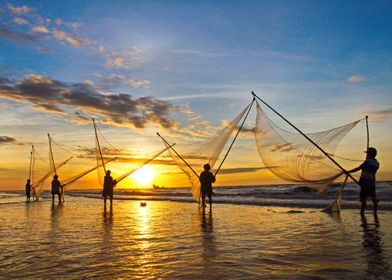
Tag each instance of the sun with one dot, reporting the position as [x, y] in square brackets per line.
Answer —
[144, 175]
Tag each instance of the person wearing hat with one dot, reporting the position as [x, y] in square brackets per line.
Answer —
[56, 188]
[206, 179]
[108, 185]
[367, 181]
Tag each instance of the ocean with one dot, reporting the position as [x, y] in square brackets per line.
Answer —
[273, 232]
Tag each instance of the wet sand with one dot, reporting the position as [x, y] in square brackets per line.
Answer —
[172, 240]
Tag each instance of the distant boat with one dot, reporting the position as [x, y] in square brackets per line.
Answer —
[157, 187]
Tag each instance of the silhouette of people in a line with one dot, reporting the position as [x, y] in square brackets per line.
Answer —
[56, 188]
[206, 179]
[28, 190]
[367, 181]
[108, 186]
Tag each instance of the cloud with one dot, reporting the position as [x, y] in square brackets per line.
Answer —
[7, 140]
[381, 115]
[121, 58]
[18, 36]
[53, 96]
[285, 147]
[40, 29]
[242, 170]
[44, 50]
[18, 9]
[20, 21]
[356, 78]
[114, 80]
[63, 36]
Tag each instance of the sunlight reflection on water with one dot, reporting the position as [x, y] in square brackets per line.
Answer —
[177, 240]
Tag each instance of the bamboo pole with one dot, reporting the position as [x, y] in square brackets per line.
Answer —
[167, 143]
[99, 146]
[235, 137]
[51, 154]
[144, 163]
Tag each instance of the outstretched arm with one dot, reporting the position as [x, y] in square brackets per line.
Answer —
[356, 169]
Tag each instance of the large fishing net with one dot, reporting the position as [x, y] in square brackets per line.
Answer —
[39, 172]
[293, 158]
[191, 157]
[127, 161]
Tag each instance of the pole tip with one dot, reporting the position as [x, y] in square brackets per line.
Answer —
[158, 134]
[366, 117]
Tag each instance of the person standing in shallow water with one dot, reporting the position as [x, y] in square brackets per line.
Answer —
[367, 181]
[56, 188]
[206, 179]
[28, 190]
[108, 185]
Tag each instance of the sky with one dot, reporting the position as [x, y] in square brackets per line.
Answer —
[185, 68]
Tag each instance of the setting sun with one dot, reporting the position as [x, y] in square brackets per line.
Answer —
[144, 175]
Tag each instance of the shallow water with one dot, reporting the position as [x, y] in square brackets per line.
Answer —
[171, 240]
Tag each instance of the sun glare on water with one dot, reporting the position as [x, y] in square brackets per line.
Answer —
[144, 175]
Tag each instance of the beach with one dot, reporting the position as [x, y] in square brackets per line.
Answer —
[176, 240]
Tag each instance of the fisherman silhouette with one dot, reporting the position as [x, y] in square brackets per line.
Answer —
[28, 190]
[206, 179]
[56, 188]
[367, 181]
[108, 185]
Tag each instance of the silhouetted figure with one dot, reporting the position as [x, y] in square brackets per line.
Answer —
[367, 181]
[206, 179]
[108, 185]
[28, 190]
[56, 188]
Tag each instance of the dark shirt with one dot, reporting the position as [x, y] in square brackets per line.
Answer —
[369, 168]
[28, 188]
[56, 186]
[108, 184]
[206, 179]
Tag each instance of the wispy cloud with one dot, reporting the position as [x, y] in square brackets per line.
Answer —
[53, 96]
[7, 140]
[381, 115]
[64, 36]
[40, 29]
[18, 36]
[115, 80]
[121, 58]
[18, 9]
[20, 21]
[20, 17]
[242, 170]
[357, 78]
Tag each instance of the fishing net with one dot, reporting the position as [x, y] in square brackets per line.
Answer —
[207, 150]
[292, 157]
[104, 151]
[39, 172]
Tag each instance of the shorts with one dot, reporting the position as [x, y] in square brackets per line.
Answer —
[368, 188]
[107, 193]
[206, 190]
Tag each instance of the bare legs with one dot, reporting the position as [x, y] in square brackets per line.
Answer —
[203, 200]
[363, 205]
[111, 204]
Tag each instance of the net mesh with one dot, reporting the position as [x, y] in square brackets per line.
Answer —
[40, 171]
[198, 153]
[104, 152]
[292, 157]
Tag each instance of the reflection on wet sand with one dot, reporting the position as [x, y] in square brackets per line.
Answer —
[373, 249]
[207, 237]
